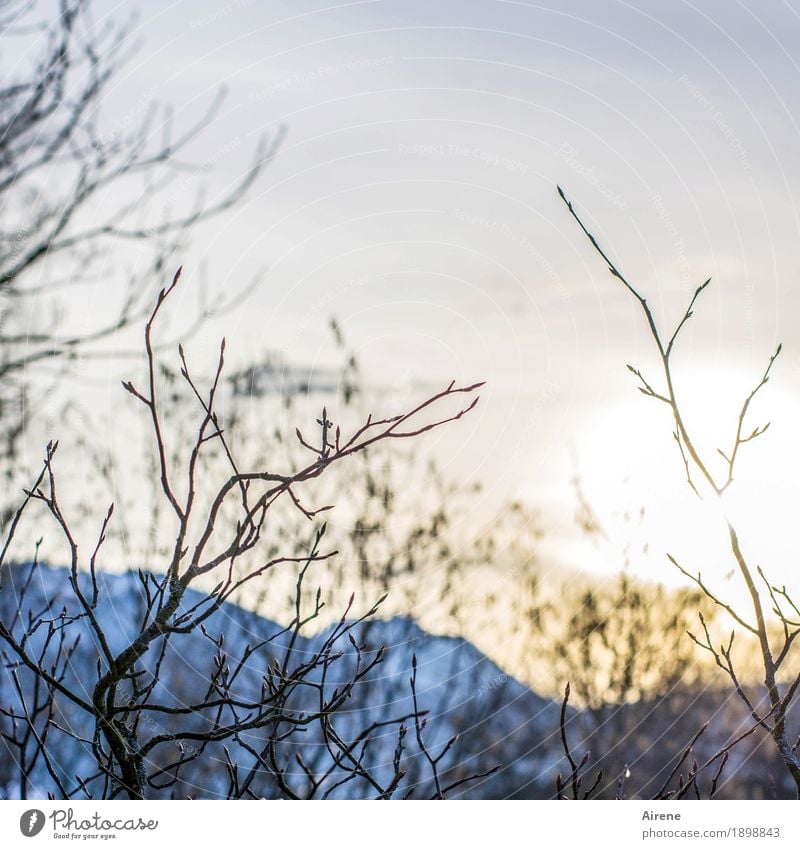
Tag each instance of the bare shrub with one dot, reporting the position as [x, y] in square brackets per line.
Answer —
[88, 201]
[221, 537]
[772, 618]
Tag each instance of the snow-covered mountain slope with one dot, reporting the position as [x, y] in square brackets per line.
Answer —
[499, 722]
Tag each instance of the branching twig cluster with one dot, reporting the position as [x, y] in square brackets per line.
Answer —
[135, 727]
[62, 159]
[770, 708]
[573, 786]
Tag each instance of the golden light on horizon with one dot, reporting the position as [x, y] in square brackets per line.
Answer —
[634, 478]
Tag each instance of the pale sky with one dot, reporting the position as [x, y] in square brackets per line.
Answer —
[414, 199]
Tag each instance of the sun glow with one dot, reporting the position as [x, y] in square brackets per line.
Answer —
[633, 476]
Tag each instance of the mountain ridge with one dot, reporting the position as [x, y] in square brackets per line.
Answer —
[498, 721]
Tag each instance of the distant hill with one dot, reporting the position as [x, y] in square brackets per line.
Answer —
[499, 721]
